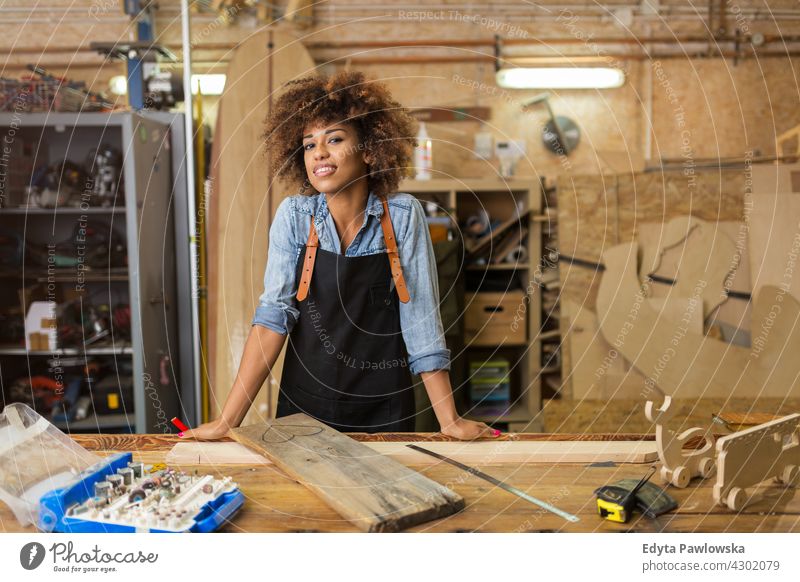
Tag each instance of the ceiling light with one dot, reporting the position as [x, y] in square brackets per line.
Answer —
[560, 78]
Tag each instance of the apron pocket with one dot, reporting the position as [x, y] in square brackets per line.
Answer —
[381, 296]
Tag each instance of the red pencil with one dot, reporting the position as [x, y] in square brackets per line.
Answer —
[181, 427]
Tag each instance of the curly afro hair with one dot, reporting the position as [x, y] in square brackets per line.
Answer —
[385, 129]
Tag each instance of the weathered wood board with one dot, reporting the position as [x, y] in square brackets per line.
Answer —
[472, 453]
[372, 491]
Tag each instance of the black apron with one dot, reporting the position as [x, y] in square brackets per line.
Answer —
[346, 362]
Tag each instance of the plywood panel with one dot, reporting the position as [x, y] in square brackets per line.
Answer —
[775, 242]
[691, 365]
[686, 261]
[591, 357]
[599, 371]
[627, 415]
[775, 178]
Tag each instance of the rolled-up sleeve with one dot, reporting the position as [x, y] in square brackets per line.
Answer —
[277, 305]
[420, 319]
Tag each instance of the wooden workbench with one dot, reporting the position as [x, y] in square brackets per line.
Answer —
[276, 503]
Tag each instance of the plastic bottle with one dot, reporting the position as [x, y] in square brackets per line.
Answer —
[422, 154]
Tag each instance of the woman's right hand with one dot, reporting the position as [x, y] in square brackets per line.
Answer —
[210, 431]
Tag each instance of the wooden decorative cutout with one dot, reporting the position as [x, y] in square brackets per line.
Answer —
[679, 466]
[746, 458]
[707, 257]
[685, 364]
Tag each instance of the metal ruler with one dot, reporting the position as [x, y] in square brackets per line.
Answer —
[499, 483]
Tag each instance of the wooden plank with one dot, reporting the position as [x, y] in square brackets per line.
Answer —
[214, 453]
[477, 452]
[374, 492]
[164, 442]
[736, 421]
[491, 453]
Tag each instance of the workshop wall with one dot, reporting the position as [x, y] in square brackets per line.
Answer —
[725, 106]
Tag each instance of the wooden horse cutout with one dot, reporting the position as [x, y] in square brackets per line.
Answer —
[679, 466]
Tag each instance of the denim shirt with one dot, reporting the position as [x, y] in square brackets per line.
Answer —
[420, 319]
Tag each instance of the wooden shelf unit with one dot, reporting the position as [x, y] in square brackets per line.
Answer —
[460, 198]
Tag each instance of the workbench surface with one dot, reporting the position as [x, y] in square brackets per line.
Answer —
[276, 503]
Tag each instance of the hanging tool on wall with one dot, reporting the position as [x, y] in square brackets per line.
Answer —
[560, 134]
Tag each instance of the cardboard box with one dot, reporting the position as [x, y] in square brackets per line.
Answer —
[40, 327]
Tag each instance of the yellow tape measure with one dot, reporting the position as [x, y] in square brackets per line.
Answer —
[616, 503]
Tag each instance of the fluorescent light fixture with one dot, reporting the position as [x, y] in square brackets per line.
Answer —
[210, 84]
[560, 78]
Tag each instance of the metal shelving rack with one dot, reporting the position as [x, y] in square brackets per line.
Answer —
[147, 212]
[451, 194]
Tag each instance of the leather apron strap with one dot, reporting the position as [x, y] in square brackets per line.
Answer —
[308, 263]
[394, 256]
[391, 248]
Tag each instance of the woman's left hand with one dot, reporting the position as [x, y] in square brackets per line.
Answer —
[467, 430]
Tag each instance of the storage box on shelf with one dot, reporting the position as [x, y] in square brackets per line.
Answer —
[496, 219]
[495, 318]
[93, 221]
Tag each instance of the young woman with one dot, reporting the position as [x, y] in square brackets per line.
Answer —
[350, 277]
